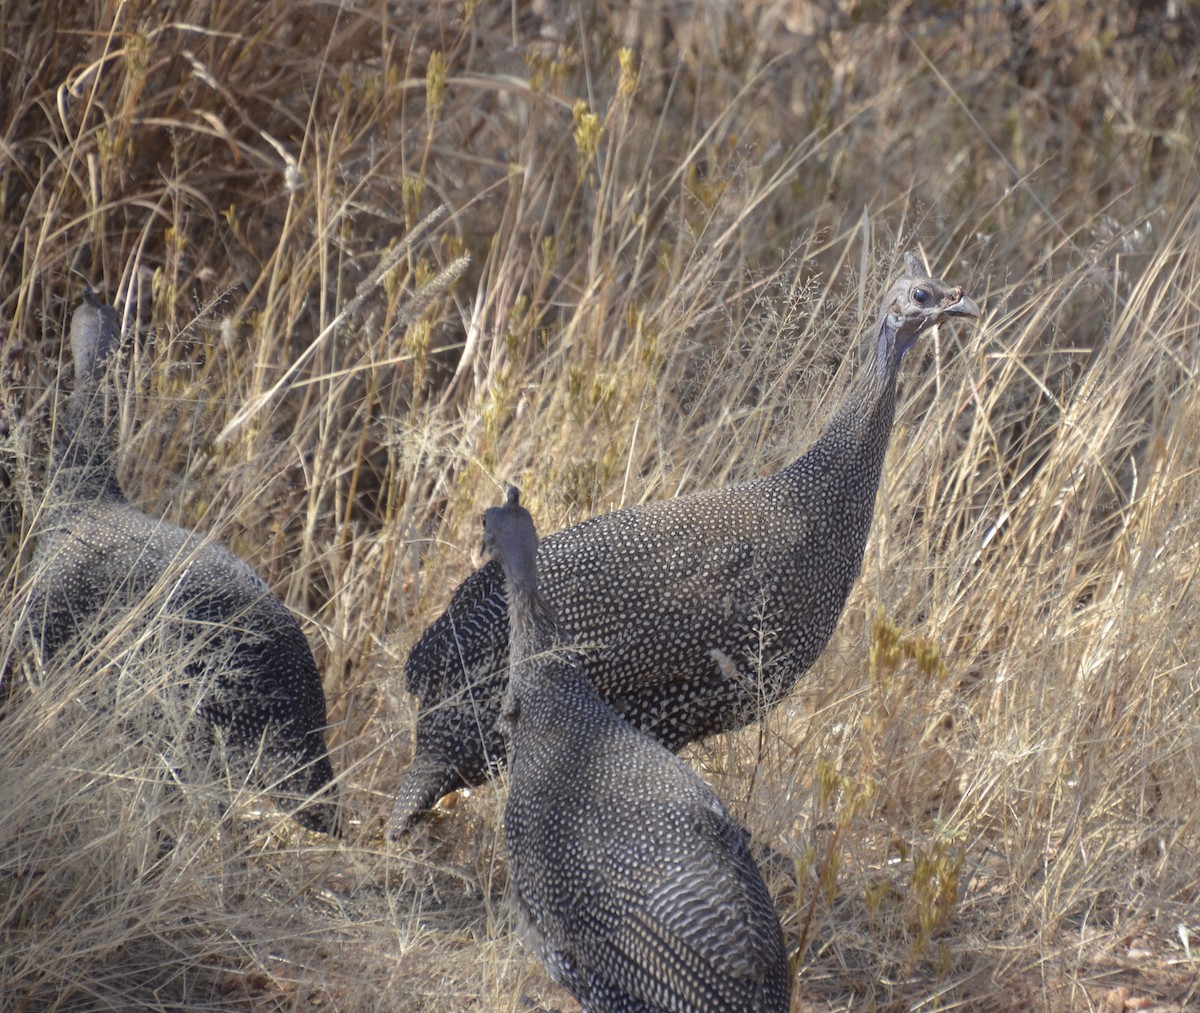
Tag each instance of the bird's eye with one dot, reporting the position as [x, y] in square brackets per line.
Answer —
[920, 295]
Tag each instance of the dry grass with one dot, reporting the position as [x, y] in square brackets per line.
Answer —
[649, 278]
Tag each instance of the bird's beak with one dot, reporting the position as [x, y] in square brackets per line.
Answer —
[963, 308]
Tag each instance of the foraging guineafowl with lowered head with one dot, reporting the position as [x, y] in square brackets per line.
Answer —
[691, 613]
[632, 883]
[100, 561]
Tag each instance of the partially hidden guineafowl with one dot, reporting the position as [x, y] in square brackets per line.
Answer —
[691, 614]
[631, 881]
[100, 562]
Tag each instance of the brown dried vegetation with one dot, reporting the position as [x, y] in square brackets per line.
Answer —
[380, 258]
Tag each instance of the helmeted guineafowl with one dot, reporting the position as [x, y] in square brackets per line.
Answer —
[631, 881]
[691, 613]
[99, 561]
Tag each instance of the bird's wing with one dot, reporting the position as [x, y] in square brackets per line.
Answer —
[695, 923]
[470, 633]
[642, 959]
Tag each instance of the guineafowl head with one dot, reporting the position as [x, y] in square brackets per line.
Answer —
[84, 447]
[915, 303]
[95, 335]
[509, 536]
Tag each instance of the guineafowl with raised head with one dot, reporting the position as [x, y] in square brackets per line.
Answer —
[691, 614]
[100, 562]
[631, 881]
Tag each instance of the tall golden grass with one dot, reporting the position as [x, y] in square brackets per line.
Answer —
[380, 259]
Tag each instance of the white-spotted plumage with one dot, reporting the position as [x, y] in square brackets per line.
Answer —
[99, 561]
[631, 881]
[690, 614]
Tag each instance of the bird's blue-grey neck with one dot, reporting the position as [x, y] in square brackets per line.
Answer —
[865, 416]
[890, 345]
[510, 536]
[85, 446]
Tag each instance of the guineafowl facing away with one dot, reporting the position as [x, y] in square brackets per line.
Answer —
[632, 882]
[100, 562]
[693, 613]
